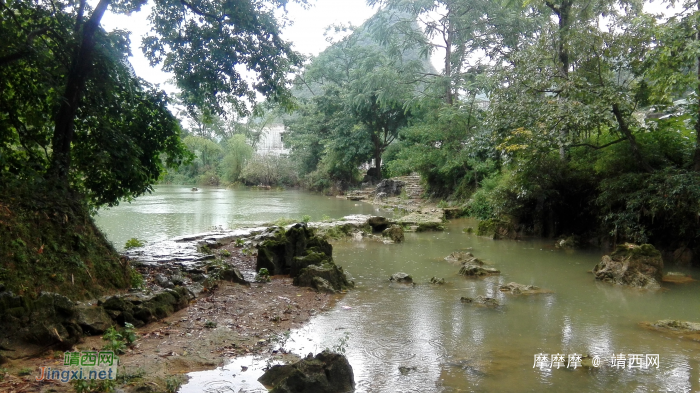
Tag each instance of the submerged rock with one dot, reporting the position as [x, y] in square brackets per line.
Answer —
[522, 289]
[471, 266]
[424, 220]
[325, 373]
[437, 281]
[633, 265]
[570, 242]
[681, 329]
[404, 370]
[677, 278]
[401, 278]
[691, 327]
[481, 301]
[459, 256]
[471, 269]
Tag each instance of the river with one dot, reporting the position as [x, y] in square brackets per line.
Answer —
[441, 344]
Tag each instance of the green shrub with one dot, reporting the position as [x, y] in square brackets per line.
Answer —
[263, 275]
[133, 243]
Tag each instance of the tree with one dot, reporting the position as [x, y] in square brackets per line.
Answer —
[673, 66]
[362, 99]
[80, 74]
[238, 152]
[590, 84]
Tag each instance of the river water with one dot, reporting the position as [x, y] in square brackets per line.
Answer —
[422, 338]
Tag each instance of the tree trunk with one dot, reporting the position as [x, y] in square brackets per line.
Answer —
[64, 126]
[624, 129]
[448, 70]
[696, 158]
[378, 162]
[564, 20]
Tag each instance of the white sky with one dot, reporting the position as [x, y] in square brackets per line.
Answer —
[306, 33]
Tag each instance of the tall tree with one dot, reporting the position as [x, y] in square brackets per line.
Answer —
[369, 92]
[673, 66]
[202, 42]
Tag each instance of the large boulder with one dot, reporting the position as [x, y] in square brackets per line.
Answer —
[280, 250]
[633, 265]
[395, 233]
[390, 187]
[53, 321]
[325, 373]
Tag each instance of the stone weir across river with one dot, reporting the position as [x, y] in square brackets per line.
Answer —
[191, 251]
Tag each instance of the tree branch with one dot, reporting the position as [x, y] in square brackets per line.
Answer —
[25, 51]
[598, 147]
[196, 10]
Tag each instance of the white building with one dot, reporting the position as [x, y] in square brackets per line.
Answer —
[271, 141]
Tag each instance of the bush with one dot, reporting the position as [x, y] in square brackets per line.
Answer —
[133, 243]
[269, 170]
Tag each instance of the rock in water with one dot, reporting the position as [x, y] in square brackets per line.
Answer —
[460, 256]
[326, 373]
[401, 278]
[472, 266]
[633, 265]
[481, 301]
[395, 233]
[290, 251]
[521, 289]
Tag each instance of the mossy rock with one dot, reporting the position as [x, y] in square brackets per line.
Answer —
[395, 233]
[333, 275]
[496, 229]
[632, 265]
[288, 252]
[312, 258]
[327, 372]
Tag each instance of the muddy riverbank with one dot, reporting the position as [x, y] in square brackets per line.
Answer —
[227, 321]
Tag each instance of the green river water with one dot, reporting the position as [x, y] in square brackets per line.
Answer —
[447, 346]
